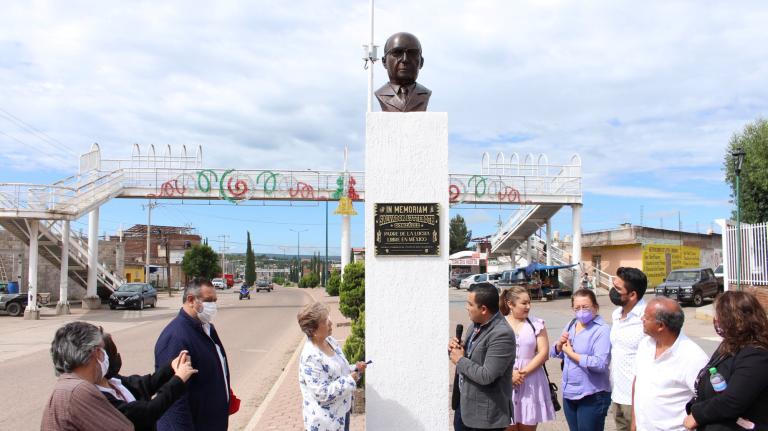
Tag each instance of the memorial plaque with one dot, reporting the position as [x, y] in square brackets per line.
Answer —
[407, 229]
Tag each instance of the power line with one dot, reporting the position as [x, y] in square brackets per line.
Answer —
[36, 132]
[55, 157]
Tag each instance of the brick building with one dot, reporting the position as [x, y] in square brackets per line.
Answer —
[126, 253]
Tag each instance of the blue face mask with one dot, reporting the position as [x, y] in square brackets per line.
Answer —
[584, 316]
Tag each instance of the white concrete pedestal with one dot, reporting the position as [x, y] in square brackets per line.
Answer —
[406, 298]
[62, 308]
[31, 314]
[91, 303]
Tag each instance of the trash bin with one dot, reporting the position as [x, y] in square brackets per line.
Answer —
[13, 287]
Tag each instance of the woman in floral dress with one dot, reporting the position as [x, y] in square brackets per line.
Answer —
[530, 387]
[326, 379]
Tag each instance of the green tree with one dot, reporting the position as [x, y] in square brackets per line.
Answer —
[309, 280]
[354, 347]
[460, 236]
[201, 261]
[352, 291]
[753, 182]
[250, 263]
[334, 282]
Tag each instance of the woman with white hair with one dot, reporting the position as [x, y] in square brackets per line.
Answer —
[326, 379]
[80, 362]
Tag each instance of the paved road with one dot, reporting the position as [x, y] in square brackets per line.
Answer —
[260, 335]
[557, 314]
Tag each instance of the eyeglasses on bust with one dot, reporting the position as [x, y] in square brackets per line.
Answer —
[399, 52]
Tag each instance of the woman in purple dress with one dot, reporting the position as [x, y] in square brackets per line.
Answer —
[530, 387]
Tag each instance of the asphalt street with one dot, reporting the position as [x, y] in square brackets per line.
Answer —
[259, 335]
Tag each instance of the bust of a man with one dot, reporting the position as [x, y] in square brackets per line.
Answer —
[403, 59]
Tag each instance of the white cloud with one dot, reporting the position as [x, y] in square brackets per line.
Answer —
[633, 89]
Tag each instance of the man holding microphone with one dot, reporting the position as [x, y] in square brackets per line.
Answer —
[484, 364]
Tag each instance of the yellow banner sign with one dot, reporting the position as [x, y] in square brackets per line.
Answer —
[659, 260]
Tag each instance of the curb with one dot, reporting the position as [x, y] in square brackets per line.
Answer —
[251, 426]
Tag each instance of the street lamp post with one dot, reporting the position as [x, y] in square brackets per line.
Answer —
[738, 162]
[298, 247]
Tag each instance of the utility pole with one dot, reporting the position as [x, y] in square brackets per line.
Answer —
[223, 249]
[168, 263]
[149, 206]
[298, 248]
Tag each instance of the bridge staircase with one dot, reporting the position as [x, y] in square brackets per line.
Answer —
[523, 224]
[49, 248]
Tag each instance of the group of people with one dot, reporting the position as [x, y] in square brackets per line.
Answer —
[656, 378]
[189, 390]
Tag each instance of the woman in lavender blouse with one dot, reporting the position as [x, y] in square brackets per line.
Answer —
[585, 346]
[326, 379]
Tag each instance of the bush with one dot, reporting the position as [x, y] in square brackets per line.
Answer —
[309, 280]
[354, 347]
[278, 280]
[334, 282]
[352, 291]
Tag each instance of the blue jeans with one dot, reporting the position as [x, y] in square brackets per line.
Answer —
[588, 413]
[458, 425]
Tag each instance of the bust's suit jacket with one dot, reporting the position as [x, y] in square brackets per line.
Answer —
[391, 103]
[486, 386]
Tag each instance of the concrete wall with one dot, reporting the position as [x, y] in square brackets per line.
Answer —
[612, 257]
[47, 275]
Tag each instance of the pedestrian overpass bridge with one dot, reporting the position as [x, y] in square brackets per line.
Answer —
[39, 214]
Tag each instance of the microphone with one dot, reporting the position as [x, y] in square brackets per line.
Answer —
[459, 332]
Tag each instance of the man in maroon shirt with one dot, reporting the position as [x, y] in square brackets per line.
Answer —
[80, 361]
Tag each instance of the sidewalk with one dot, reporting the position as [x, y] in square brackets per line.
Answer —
[281, 409]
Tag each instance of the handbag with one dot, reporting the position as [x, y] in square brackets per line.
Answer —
[552, 387]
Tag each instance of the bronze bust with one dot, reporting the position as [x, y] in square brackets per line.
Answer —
[403, 59]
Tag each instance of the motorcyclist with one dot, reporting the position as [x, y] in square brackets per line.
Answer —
[244, 291]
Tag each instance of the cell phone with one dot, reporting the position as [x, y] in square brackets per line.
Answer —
[368, 362]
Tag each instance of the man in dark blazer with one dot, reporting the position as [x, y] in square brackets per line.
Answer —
[484, 364]
[205, 406]
[403, 60]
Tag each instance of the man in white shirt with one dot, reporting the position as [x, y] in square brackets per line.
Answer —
[626, 332]
[667, 365]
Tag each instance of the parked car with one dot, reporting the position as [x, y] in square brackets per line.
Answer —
[690, 285]
[264, 285]
[13, 303]
[133, 295]
[494, 278]
[219, 283]
[456, 279]
[472, 280]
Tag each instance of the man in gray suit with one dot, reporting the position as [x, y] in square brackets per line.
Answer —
[484, 367]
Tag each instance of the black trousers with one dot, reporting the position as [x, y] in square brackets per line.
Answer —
[458, 425]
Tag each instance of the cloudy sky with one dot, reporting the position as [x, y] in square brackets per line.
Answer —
[648, 94]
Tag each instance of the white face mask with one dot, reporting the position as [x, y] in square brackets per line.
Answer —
[104, 364]
[208, 312]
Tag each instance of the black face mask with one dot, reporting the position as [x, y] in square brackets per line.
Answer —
[615, 297]
[114, 366]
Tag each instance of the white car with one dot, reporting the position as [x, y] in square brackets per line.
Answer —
[219, 283]
[473, 279]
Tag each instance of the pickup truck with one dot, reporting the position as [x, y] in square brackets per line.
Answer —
[15, 303]
[689, 285]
